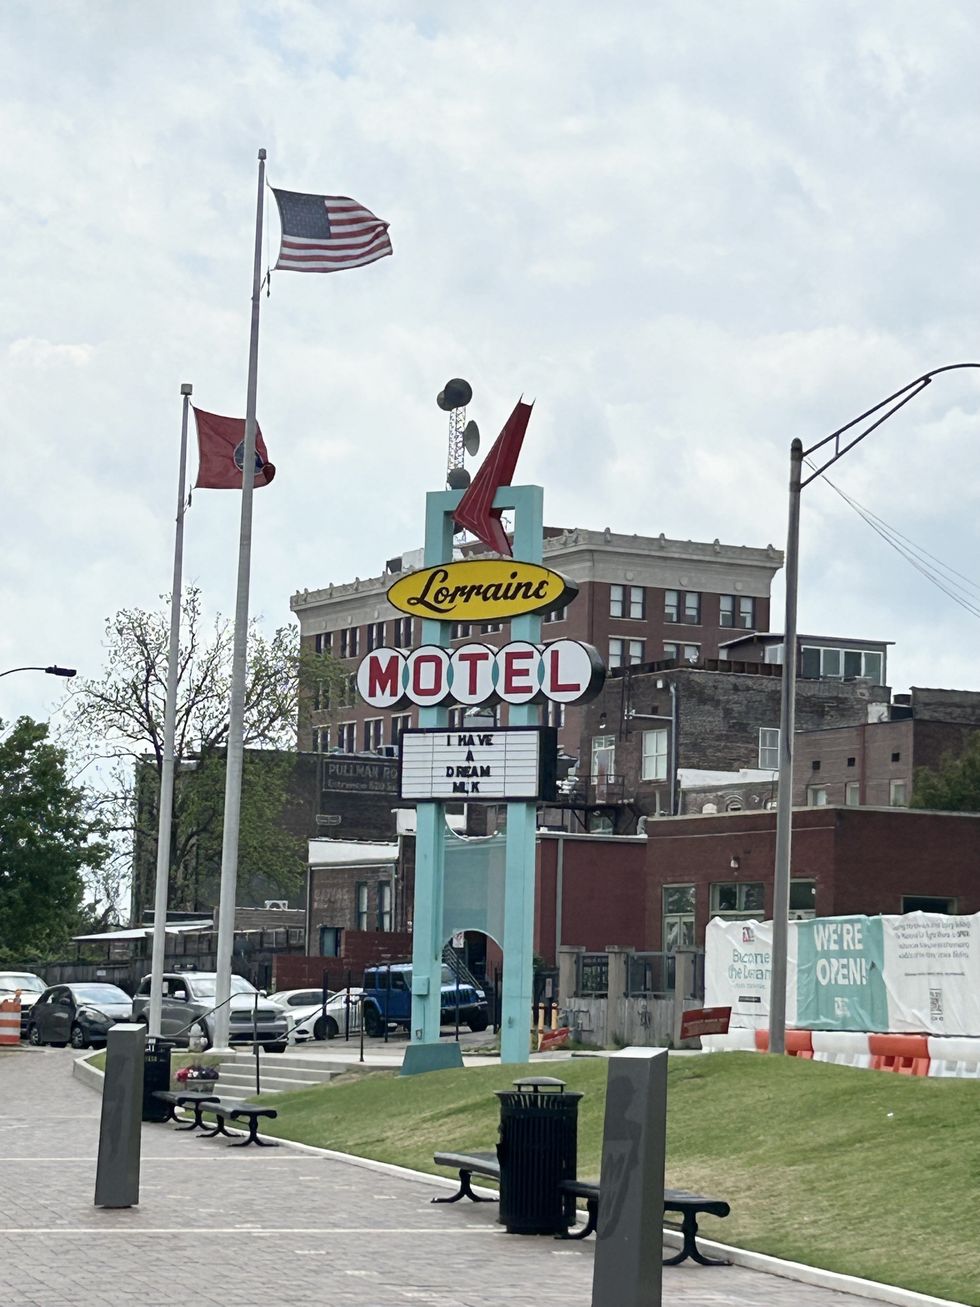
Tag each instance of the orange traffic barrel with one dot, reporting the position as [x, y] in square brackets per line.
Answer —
[10, 1021]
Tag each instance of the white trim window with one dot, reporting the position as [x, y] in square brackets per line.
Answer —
[816, 796]
[347, 737]
[769, 748]
[654, 755]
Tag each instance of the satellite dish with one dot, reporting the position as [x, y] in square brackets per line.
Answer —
[471, 438]
[457, 393]
[457, 478]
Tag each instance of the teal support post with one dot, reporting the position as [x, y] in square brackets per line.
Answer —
[527, 502]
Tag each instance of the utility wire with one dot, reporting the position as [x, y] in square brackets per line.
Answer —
[940, 574]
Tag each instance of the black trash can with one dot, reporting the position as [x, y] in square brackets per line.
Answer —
[156, 1075]
[538, 1149]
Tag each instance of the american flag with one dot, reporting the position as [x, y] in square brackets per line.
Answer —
[326, 233]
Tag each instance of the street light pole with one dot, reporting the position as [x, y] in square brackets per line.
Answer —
[843, 442]
[784, 795]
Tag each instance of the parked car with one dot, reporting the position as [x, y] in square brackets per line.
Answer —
[188, 1010]
[78, 1014]
[307, 1019]
[31, 988]
[391, 1003]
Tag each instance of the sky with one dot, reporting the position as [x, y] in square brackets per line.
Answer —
[689, 231]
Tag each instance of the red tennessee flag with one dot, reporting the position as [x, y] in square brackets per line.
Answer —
[221, 450]
[476, 512]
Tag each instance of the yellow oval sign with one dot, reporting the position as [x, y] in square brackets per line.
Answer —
[480, 590]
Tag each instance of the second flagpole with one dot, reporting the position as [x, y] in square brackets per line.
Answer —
[169, 731]
[236, 707]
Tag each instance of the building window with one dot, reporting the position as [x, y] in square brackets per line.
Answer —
[691, 608]
[349, 642]
[927, 903]
[493, 628]
[399, 724]
[816, 796]
[852, 794]
[837, 663]
[384, 905]
[350, 690]
[616, 647]
[403, 632]
[896, 757]
[735, 900]
[330, 941]
[554, 714]
[692, 652]
[671, 650]
[323, 642]
[678, 917]
[321, 739]
[627, 601]
[460, 630]
[455, 719]
[737, 610]
[362, 904]
[802, 899]
[373, 734]
[769, 748]
[896, 794]
[375, 635]
[603, 764]
[556, 614]
[672, 606]
[347, 737]
[654, 756]
[851, 762]
[635, 648]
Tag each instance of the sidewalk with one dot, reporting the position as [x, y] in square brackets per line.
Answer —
[231, 1227]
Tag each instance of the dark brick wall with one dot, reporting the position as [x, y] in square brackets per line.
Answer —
[333, 898]
[360, 949]
[603, 894]
[862, 860]
[719, 714]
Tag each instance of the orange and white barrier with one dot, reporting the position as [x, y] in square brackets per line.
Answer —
[952, 1056]
[842, 1047]
[906, 1054]
[10, 1021]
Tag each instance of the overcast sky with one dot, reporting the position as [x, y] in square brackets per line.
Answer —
[689, 231]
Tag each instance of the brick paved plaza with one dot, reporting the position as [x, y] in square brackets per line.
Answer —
[230, 1227]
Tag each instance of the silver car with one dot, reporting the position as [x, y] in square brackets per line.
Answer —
[187, 1011]
[31, 988]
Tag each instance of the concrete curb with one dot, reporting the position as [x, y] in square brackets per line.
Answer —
[88, 1075]
[815, 1275]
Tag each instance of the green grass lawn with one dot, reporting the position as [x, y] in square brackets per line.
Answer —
[857, 1171]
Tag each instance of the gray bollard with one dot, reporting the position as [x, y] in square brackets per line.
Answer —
[628, 1268]
[117, 1176]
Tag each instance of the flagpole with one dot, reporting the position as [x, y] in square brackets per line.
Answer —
[236, 708]
[169, 731]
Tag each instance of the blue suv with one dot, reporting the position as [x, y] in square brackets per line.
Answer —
[392, 1003]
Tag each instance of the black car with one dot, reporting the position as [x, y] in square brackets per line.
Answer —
[79, 1015]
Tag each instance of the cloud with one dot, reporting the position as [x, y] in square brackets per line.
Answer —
[689, 232]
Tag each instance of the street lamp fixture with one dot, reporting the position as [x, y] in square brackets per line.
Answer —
[51, 671]
[840, 442]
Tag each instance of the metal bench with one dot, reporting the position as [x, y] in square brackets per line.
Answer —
[224, 1111]
[185, 1098]
[688, 1205]
[468, 1165]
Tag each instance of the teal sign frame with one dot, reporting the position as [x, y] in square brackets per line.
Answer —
[428, 927]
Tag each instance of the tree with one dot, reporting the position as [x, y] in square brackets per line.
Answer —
[49, 840]
[118, 720]
[953, 786]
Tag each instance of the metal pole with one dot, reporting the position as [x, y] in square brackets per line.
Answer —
[674, 748]
[784, 798]
[166, 805]
[236, 708]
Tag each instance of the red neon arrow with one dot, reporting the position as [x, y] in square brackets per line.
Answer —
[476, 512]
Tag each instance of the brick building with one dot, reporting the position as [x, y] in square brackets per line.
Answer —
[875, 762]
[641, 598]
[651, 723]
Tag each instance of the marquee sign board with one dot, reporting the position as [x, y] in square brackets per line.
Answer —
[513, 764]
[481, 590]
[564, 671]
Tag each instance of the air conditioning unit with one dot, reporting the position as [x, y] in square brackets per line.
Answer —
[277, 903]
